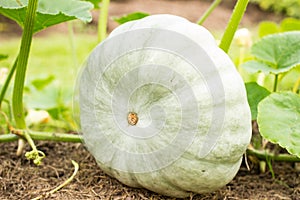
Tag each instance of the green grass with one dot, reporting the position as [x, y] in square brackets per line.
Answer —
[52, 55]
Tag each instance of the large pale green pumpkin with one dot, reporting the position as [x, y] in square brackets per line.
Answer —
[163, 108]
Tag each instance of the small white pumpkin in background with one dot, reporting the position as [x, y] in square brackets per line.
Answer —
[163, 108]
[34, 117]
[243, 37]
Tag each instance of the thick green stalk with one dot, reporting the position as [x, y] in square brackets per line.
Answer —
[208, 11]
[17, 101]
[264, 155]
[102, 21]
[275, 83]
[8, 138]
[59, 137]
[233, 24]
[7, 81]
[43, 136]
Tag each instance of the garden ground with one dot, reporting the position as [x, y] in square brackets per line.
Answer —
[20, 179]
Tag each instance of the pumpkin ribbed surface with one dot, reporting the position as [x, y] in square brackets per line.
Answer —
[162, 107]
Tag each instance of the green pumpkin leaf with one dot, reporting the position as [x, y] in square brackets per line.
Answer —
[41, 83]
[276, 53]
[56, 112]
[267, 28]
[254, 66]
[3, 57]
[255, 93]
[130, 17]
[279, 120]
[290, 24]
[48, 13]
[45, 99]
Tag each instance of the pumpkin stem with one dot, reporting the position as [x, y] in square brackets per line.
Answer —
[102, 21]
[233, 23]
[132, 118]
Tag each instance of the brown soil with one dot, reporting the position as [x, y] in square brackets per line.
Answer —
[21, 179]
